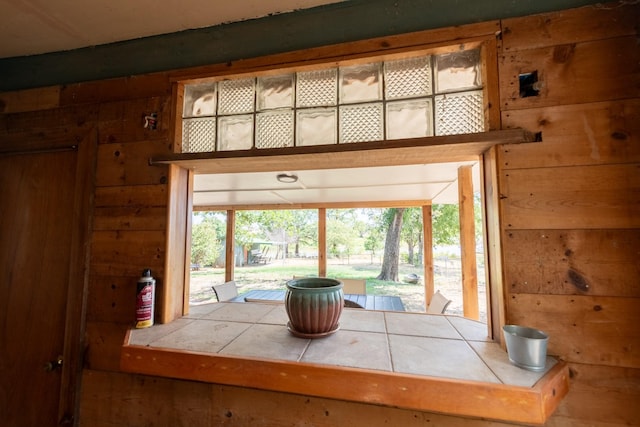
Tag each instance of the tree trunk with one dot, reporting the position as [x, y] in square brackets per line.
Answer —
[410, 253]
[392, 249]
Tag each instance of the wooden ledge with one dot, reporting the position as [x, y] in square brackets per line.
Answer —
[528, 405]
[434, 149]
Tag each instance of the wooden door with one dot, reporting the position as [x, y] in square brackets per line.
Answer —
[43, 198]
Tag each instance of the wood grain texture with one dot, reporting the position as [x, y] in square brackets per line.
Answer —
[583, 329]
[573, 262]
[581, 134]
[593, 22]
[573, 73]
[515, 404]
[602, 395]
[592, 197]
[30, 100]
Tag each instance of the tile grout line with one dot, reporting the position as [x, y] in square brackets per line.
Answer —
[474, 350]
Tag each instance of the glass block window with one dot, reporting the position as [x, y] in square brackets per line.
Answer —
[413, 97]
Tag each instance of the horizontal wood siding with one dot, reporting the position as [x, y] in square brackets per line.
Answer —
[570, 205]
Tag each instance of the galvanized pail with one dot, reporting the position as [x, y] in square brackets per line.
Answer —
[527, 347]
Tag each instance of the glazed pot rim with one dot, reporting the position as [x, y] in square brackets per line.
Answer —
[314, 283]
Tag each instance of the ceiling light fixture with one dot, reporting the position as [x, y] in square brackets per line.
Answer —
[287, 178]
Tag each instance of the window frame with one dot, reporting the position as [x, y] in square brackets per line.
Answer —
[174, 297]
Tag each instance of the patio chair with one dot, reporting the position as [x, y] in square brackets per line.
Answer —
[226, 291]
[439, 304]
[351, 304]
[354, 286]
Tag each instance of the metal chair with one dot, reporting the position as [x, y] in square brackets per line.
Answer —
[226, 291]
[439, 304]
[354, 286]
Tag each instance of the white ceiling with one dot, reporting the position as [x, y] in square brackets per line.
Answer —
[29, 27]
[436, 182]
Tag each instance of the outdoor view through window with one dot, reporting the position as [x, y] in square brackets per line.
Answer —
[417, 96]
[275, 246]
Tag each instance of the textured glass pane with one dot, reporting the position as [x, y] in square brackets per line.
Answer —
[316, 127]
[459, 70]
[407, 78]
[459, 113]
[235, 132]
[236, 96]
[198, 135]
[275, 92]
[409, 119]
[317, 88]
[274, 129]
[360, 83]
[199, 100]
[359, 123]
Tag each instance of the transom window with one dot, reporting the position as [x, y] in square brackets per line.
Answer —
[412, 97]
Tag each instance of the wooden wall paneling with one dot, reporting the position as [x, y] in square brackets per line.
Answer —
[582, 134]
[127, 253]
[606, 196]
[72, 119]
[583, 329]
[269, 408]
[573, 262]
[593, 22]
[130, 218]
[29, 140]
[140, 86]
[44, 98]
[141, 196]
[112, 399]
[574, 73]
[124, 121]
[128, 164]
[600, 395]
[103, 345]
[112, 299]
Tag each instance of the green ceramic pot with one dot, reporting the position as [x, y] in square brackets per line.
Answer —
[314, 306]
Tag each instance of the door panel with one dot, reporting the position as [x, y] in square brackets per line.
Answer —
[36, 234]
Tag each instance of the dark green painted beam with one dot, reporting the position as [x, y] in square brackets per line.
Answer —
[342, 22]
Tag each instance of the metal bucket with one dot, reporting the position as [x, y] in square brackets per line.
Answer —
[527, 347]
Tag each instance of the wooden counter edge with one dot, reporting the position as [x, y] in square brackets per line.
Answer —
[531, 405]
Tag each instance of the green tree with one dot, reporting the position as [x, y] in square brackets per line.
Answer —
[205, 238]
[249, 228]
[446, 224]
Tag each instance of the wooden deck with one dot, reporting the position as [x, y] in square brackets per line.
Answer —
[369, 302]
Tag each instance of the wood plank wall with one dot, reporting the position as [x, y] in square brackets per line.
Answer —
[570, 214]
[570, 205]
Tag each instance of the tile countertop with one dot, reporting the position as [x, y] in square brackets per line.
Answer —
[412, 343]
[434, 363]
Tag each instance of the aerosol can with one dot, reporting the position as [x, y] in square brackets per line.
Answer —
[145, 300]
